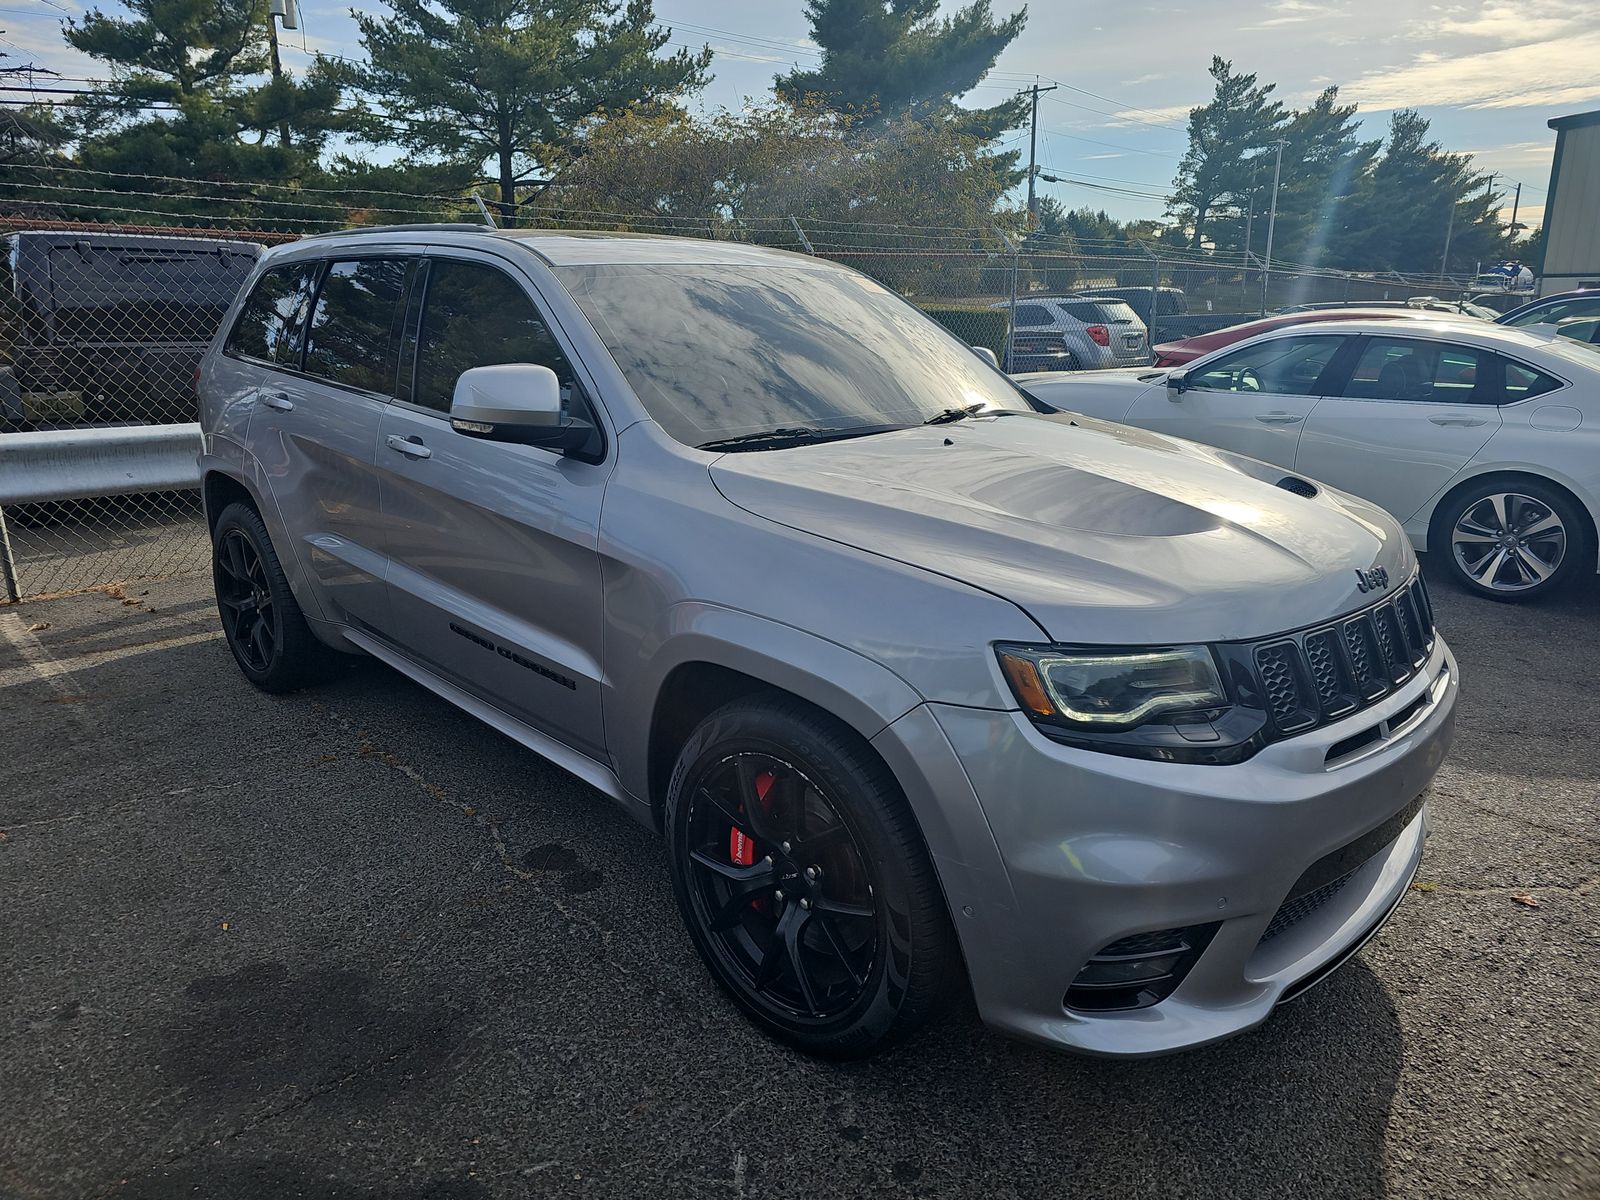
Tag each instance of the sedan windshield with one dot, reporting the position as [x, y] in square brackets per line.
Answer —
[717, 352]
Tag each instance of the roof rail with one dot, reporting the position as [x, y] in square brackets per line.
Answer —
[435, 226]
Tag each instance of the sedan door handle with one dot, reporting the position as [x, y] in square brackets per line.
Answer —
[278, 400]
[411, 447]
[1279, 418]
[1464, 422]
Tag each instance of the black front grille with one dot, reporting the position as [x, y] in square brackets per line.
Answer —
[1319, 675]
[1326, 878]
[1294, 911]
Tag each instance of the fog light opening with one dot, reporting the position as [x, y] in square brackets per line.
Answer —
[1138, 971]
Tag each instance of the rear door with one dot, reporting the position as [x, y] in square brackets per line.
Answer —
[1253, 399]
[494, 572]
[1412, 414]
[314, 431]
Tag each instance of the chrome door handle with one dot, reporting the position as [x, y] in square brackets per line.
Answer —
[407, 446]
[1464, 422]
[277, 400]
[1279, 418]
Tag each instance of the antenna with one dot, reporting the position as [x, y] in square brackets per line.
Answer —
[286, 11]
[483, 208]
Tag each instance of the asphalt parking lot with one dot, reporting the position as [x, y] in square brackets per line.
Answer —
[350, 944]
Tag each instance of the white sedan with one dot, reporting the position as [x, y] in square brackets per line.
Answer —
[1483, 440]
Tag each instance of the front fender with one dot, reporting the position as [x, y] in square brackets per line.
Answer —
[860, 692]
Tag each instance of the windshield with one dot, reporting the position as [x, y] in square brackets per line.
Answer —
[718, 351]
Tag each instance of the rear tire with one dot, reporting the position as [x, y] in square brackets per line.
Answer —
[1511, 539]
[265, 628]
[803, 880]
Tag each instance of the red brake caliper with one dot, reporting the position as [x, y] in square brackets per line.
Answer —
[741, 846]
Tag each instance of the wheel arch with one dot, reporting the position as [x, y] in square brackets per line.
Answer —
[715, 655]
[218, 489]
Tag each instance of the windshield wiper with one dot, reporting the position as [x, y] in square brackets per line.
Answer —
[777, 439]
[946, 415]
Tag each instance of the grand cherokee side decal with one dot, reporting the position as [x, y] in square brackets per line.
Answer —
[513, 656]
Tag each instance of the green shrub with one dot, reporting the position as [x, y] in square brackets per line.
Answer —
[974, 326]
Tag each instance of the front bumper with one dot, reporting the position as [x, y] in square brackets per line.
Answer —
[1048, 854]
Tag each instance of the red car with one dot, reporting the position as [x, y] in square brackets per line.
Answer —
[1173, 354]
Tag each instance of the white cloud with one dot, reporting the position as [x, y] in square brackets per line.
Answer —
[1090, 157]
[1144, 116]
[1551, 73]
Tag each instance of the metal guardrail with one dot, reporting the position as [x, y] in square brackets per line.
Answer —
[39, 468]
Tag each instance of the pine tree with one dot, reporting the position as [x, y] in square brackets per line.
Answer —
[1416, 186]
[191, 97]
[1229, 147]
[514, 82]
[889, 59]
[1326, 183]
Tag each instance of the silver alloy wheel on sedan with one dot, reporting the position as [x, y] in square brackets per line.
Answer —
[1509, 542]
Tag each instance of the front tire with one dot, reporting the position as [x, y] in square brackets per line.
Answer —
[803, 880]
[1511, 540]
[265, 628]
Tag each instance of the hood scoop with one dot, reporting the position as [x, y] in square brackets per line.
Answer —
[1300, 487]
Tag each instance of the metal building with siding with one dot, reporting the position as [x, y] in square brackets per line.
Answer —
[1572, 211]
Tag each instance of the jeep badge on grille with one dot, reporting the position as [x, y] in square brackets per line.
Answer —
[1373, 579]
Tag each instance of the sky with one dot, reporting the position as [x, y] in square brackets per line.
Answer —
[1488, 74]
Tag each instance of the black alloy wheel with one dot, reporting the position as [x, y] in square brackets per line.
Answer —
[244, 596]
[803, 879]
[781, 886]
[265, 628]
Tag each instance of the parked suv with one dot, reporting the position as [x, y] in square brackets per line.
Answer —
[106, 328]
[908, 674]
[1055, 334]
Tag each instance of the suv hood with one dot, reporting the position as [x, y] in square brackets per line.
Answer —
[1102, 533]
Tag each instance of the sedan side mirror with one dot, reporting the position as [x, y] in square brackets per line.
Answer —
[515, 402]
[1177, 384]
[988, 355]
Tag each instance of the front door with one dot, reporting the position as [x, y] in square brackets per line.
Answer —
[494, 573]
[1252, 400]
[1410, 417]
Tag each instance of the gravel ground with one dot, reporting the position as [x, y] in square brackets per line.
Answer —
[350, 944]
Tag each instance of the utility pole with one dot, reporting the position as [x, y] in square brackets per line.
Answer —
[1516, 203]
[1272, 224]
[1033, 153]
[283, 10]
[1449, 228]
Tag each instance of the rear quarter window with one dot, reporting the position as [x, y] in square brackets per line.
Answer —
[1032, 315]
[263, 328]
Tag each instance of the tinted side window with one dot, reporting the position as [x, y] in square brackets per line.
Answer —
[1523, 383]
[477, 316]
[1284, 366]
[355, 324]
[269, 314]
[1033, 314]
[1435, 372]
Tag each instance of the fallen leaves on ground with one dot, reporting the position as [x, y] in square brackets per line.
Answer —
[1526, 900]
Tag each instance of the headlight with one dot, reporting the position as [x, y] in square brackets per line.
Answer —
[1091, 690]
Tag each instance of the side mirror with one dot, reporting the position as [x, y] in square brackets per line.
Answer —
[1177, 384]
[515, 402]
[988, 355]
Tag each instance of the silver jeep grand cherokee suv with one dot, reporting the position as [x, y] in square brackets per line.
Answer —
[909, 675]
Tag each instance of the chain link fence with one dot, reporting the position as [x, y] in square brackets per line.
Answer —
[102, 325]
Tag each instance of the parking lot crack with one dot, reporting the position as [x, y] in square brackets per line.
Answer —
[367, 748]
